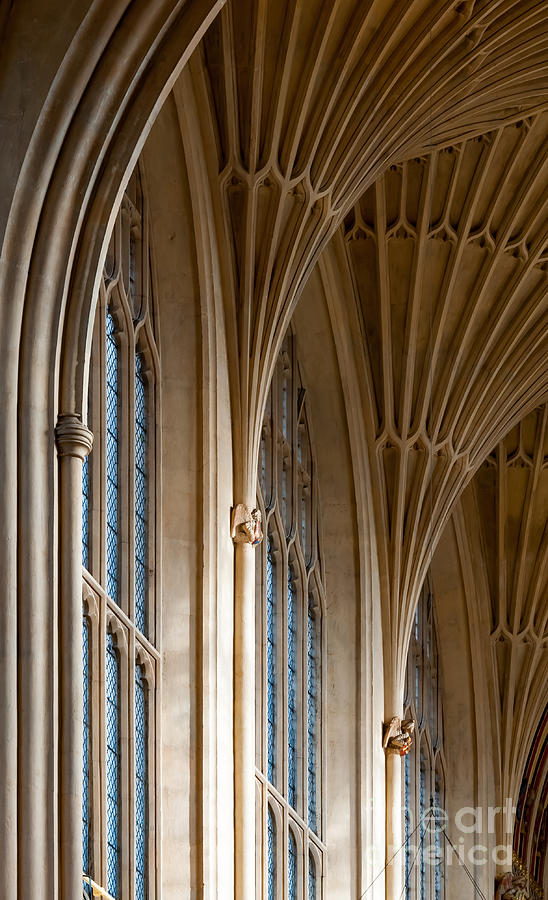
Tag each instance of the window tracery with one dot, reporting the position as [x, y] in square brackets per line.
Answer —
[289, 640]
[119, 572]
[423, 780]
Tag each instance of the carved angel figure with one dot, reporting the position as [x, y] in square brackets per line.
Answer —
[398, 736]
[246, 525]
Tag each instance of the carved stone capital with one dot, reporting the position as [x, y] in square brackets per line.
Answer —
[246, 525]
[398, 736]
[72, 437]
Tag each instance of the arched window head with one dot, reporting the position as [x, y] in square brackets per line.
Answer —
[292, 866]
[312, 888]
[289, 623]
[272, 857]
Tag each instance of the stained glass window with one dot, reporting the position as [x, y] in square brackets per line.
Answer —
[271, 660]
[422, 813]
[271, 861]
[289, 632]
[291, 690]
[141, 489]
[312, 718]
[422, 785]
[141, 784]
[113, 765]
[438, 870]
[86, 749]
[291, 867]
[85, 512]
[118, 551]
[311, 878]
[112, 458]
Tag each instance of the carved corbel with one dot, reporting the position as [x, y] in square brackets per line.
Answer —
[72, 437]
[398, 736]
[246, 525]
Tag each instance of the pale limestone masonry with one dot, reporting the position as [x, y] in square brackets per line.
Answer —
[374, 174]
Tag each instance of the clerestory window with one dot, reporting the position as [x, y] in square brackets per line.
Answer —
[424, 767]
[289, 647]
[121, 656]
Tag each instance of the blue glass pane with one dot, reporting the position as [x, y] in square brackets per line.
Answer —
[422, 798]
[141, 785]
[311, 878]
[85, 512]
[141, 495]
[271, 862]
[312, 719]
[112, 405]
[113, 765]
[86, 817]
[437, 842]
[291, 690]
[271, 660]
[291, 867]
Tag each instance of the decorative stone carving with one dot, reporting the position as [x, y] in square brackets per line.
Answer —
[511, 885]
[398, 736]
[246, 525]
[73, 438]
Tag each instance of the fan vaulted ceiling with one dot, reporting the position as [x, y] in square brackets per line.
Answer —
[414, 135]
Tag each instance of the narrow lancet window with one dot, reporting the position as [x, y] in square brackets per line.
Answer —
[271, 661]
[112, 449]
[141, 491]
[312, 708]
[113, 765]
[86, 810]
[271, 862]
[141, 784]
[292, 867]
[311, 878]
[291, 690]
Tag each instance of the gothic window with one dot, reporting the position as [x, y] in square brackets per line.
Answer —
[271, 857]
[423, 780]
[121, 658]
[289, 641]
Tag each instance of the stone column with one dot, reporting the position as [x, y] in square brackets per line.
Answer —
[74, 442]
[394, 871]
[246, 533]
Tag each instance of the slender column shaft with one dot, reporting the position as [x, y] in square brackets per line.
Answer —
[73, 442]
[8, 639]
[394, 871]
[244, 721]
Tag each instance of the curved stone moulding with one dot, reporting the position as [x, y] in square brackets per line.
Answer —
[310, 102]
